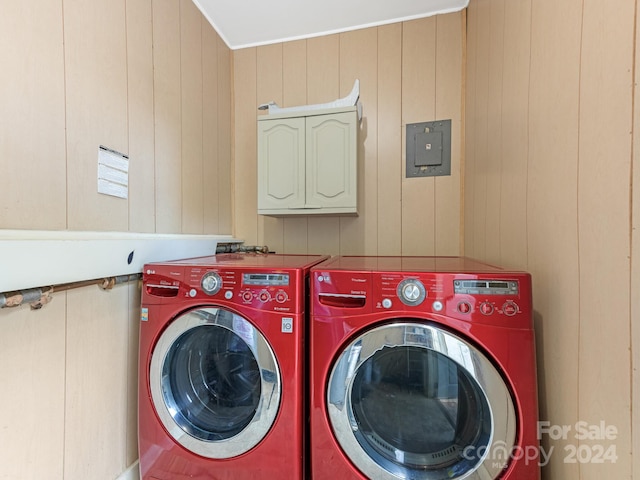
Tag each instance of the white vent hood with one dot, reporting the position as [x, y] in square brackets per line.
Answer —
[260, 22]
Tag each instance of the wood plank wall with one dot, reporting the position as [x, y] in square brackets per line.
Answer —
[635, 269]
[550, 129]
[148, 78]
[409, 72]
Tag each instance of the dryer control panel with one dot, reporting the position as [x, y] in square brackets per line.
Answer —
[477, 298]
[497, 299]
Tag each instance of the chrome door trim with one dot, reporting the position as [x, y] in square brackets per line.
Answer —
[271, 383]
[426, 335]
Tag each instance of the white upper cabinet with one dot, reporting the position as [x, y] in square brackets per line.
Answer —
[307, 162]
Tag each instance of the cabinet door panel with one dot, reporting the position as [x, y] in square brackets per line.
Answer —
[281, 167]
[330, 157]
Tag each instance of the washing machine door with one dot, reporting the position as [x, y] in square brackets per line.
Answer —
[413, 401]
[215, 383]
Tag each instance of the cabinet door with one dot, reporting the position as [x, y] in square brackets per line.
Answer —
[281, 166]
[331, 159]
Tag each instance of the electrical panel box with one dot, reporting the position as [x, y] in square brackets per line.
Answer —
[428, 149]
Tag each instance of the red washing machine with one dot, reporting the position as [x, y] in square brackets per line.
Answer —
[422, 368]
[221, 367]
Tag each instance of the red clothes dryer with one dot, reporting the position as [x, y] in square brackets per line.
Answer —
[422, 368]
[221, 367]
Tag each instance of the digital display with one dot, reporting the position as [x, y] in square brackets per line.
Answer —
[486, 287]
[265, 279]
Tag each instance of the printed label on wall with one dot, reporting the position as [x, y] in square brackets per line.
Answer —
[113, 173]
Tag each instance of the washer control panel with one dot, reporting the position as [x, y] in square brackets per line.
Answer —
[264, 290]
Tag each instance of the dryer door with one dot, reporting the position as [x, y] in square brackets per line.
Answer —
[215, 383]
[414, 401]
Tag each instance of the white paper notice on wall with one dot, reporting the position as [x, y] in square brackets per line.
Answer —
[113, 173]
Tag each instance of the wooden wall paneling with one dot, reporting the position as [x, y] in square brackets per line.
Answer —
[552, 213]
[463, 133]
[390, 146]
[359, 60]
[294, 92]
[133, 342]
[168, 123]
[478, 203]
[323, 65]
[323, 85]
[96, 382]
[418, 105]
[494, 159]
[225, 139]
[471, 120]
[32, 403]
[294, 73]
[635, 270]
[449, 92]
[515, 141]
[96, 108]
[210, 127]
[245, 141]
[140, 116]
[191, 105]
[32, 145]
[606, 102]
[269, 61]
[141, 183]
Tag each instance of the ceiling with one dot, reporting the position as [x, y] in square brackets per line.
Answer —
[251, 23]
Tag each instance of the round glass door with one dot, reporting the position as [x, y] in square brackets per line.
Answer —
[215, 383]
[409, 400]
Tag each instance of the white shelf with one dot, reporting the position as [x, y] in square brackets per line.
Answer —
[35, 258]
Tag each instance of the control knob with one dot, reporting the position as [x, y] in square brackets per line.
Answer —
[211, 283]
[411, 292]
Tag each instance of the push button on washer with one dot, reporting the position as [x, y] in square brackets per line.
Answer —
[264, 296]
[486, 308]
[510, 308]
[247, 296]
[464, 307]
